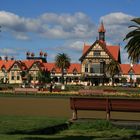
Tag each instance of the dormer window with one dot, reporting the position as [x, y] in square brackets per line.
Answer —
[97, 53]
[53, 71]
[15, 66]
[34, 66]
[74, 71]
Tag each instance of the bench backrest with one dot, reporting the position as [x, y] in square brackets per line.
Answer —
[88, 104]
[127, 105]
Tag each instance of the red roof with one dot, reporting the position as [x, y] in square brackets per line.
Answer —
[114, 50]
[136, 68]
[29, 63]
[51, 66]
[73, 66]
[1, 63]
[7, 63]
[125, 68]
[85, 49]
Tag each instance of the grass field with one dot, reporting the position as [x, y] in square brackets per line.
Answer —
[17, 127]
[24, 118]
[28, 128]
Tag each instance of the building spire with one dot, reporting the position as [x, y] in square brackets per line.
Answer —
[101, 28]
[101, 31]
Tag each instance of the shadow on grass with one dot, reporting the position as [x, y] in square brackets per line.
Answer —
[135, 137]
[41, 131]
[61, 138]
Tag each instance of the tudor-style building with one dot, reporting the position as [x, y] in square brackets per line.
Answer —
[96, 57]
[20, 71]
[92, 69]
[11, 70]
[71, 75]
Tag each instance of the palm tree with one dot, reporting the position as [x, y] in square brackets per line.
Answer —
[44, 76]
[112, 69]
[133, 45]
[62, 61]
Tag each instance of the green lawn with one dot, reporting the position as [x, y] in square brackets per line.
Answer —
[27, 128]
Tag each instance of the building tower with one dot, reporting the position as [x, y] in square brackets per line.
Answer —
[101, 32]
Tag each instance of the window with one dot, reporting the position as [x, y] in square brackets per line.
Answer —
[74, 71]
[15, 66]
[34, 66]
[53, 71]
[97, 53]
[18, 76]
[102, 66]
[12, 76]
[95, 68]
[86, 67]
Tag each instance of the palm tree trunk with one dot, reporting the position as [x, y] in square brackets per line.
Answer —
[62, 76]
[113, 81]
[62, 81]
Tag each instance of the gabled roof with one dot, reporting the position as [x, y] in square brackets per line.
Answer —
[1, 63]
[136, 68]
[112, 51]
[74, 66]
[7, 64]
[125, 68]
[29, 63]
[86, 47]
[51, 66]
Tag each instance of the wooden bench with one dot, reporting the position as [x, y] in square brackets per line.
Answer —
[104, 104]
[25, 90]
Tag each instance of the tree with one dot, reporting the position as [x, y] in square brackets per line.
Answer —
[133, 45]
[138, 80]
[62, 61]
[123, 80]
[44, 77]
[112, 69]
[26, 77]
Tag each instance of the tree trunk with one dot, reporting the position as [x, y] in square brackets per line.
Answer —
[62, 77]
[113, 81]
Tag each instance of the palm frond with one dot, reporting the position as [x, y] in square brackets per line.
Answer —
[136, 20]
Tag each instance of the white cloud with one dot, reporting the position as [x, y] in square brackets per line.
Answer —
[21, 36]
[76, 28]
[116, 25]
[49, 25]
[77, 45]
[9, 52]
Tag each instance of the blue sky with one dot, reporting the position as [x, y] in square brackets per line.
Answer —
[56, 26]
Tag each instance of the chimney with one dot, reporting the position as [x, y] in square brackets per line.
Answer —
[6, 58]
[41, 53]
[12, 58]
